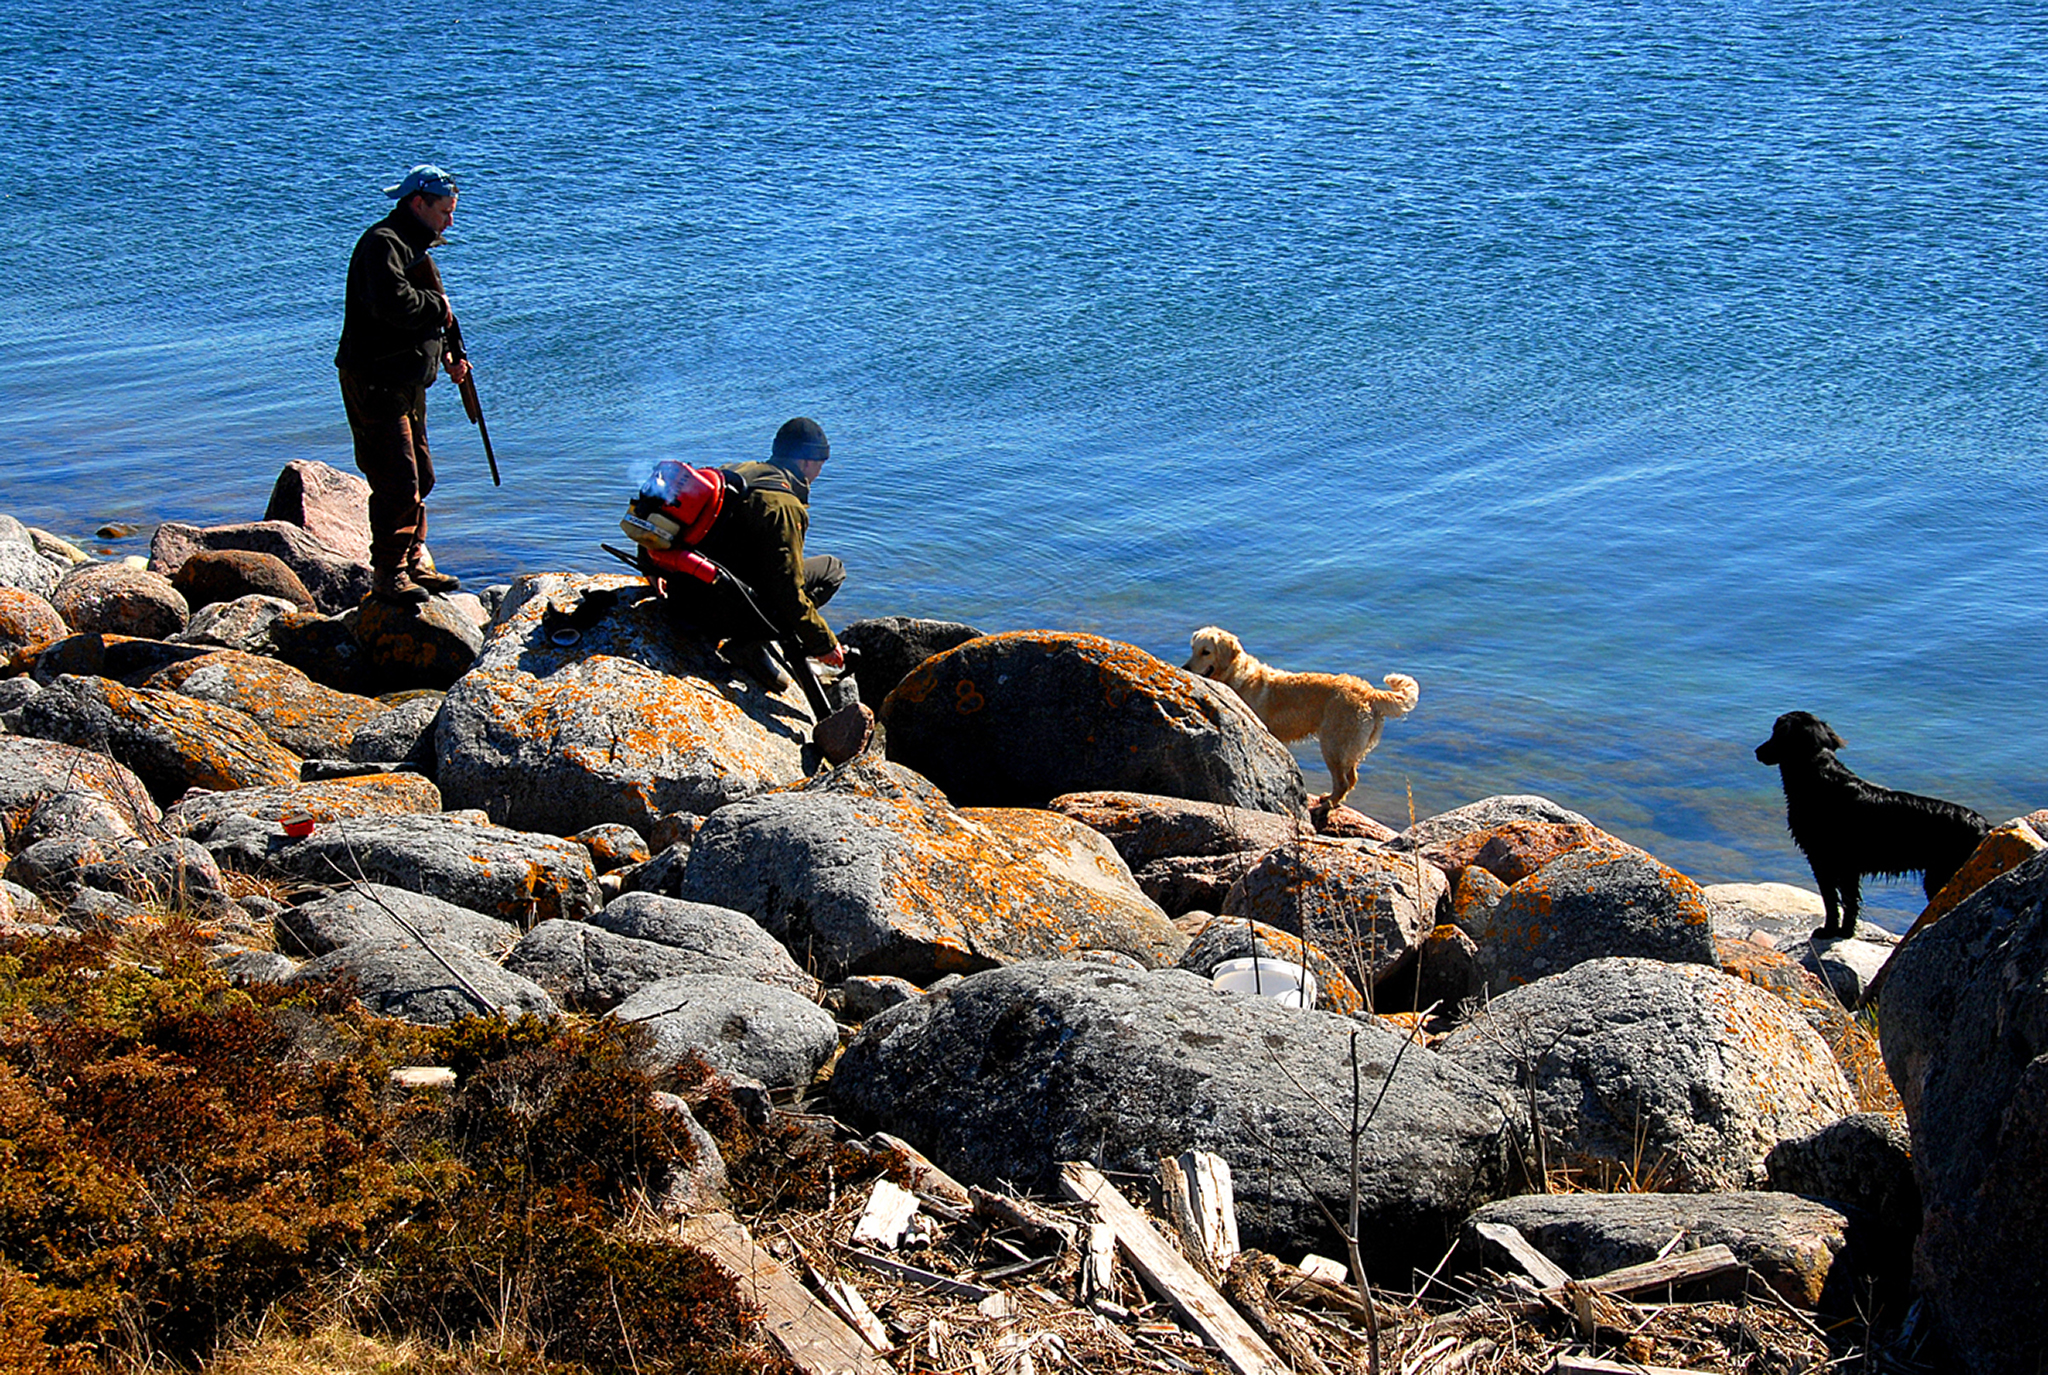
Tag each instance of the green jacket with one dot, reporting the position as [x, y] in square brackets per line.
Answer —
[760, 537]
[391, 320]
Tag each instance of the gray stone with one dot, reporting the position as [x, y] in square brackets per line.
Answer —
[1846, 966]
[714, 940]
[590, 969]
[365, 911]
[429, 645]
[114, 599]
[324, 802]
[177, 874]
[90, 909]
[1194, 883]
[1675, 1075]
[700, 1186]
[324, 648]
[242, 624]
[22, 565]
[516, 876]
[634, 721]
[436, 985]
[82, 815]
[335, 580]
[402, 734]
[224, 575]
[1798, 1246]
[1004, 1074]
[1782, 911]
[891, 646]
[661, 873]
[14, 692]
[253, 966]
[1015, 720]
[905, 885]
[737, 1026]
[1964, 1025]
[119, 657]
[1591, 904]
[327, 502]
[52, 867]
[863, 995]
[1483, 815]
[1863, 1162]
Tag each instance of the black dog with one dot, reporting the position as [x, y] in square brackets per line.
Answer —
[1848, 828]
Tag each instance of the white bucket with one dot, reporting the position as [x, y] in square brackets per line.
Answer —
[1284, 981]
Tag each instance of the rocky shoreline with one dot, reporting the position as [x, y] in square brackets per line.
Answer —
[992, 932]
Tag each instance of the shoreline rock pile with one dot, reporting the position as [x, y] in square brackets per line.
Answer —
[991, 933]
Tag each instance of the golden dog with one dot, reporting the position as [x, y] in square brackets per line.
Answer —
[1344, 713]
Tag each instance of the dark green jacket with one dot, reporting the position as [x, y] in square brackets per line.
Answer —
[391, 320]
[760, 537]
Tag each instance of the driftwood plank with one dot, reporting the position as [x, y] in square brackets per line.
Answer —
[1167, 1271]
[887, 1216]
[1704, 1263]
[1593, 1365]
[925, 1177]
[1213, 1203]
[1534, 1263]
[797, 1321]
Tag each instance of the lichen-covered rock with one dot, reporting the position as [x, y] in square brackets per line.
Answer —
[1002, 1075]
[516, 876]
[53, 815]
[1146, 827]
[311, 721]
[1799, 1246]
[1346, 823]
[242, 624]
[612, 845]
[171, 741]
[335, 580]
[26, 619]
[1015, 720]
[32, 770]
[1846, 966]
[51, 868]
[1965, 1030]
[1367, 908]
[223, 575]
[1447, 974]
[114, 599]
[372, 794]
[377, 911]
[912, 887]
[1513, 850]
[714, 940]
[1224, 938]
[891, 646]
[1855, 1048]
[1674, 1075]
[740, 1028]
[328, 503]
[425, 646]
[176, 874]
[634, 721]
[1484, 815]
[435, 984]
[22, 565]
[1588, 904]
[2004, 849]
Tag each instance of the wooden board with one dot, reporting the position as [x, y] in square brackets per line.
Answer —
[797, 1321]
[1169, 1272]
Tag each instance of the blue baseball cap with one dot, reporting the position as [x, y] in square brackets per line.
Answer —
[425, 178]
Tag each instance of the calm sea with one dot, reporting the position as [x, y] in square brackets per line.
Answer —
[1628, 373]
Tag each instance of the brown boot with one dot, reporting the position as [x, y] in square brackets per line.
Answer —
[425, 575]
[396, 586]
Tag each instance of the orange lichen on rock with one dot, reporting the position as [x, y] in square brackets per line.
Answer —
[1854, 1047]
[2007, 847]
[1514, 850]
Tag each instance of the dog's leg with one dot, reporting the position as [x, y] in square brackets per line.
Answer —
[1830, 904]
[1852, 899]
[1343, 773]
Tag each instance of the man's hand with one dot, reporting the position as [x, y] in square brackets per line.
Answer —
[836, 659]
[458, 371]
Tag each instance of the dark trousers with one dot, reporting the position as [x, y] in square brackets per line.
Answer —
[390, 429]
[824, 574]
[720, 614]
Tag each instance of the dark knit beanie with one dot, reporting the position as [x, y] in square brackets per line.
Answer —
[801, 440]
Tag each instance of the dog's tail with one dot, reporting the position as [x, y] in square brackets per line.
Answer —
[1400, 697]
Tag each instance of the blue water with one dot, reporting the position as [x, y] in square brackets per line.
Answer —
[1627, 372]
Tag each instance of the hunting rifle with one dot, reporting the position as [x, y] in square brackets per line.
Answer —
[452, 353]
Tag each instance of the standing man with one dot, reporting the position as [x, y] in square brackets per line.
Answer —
[393, 319]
